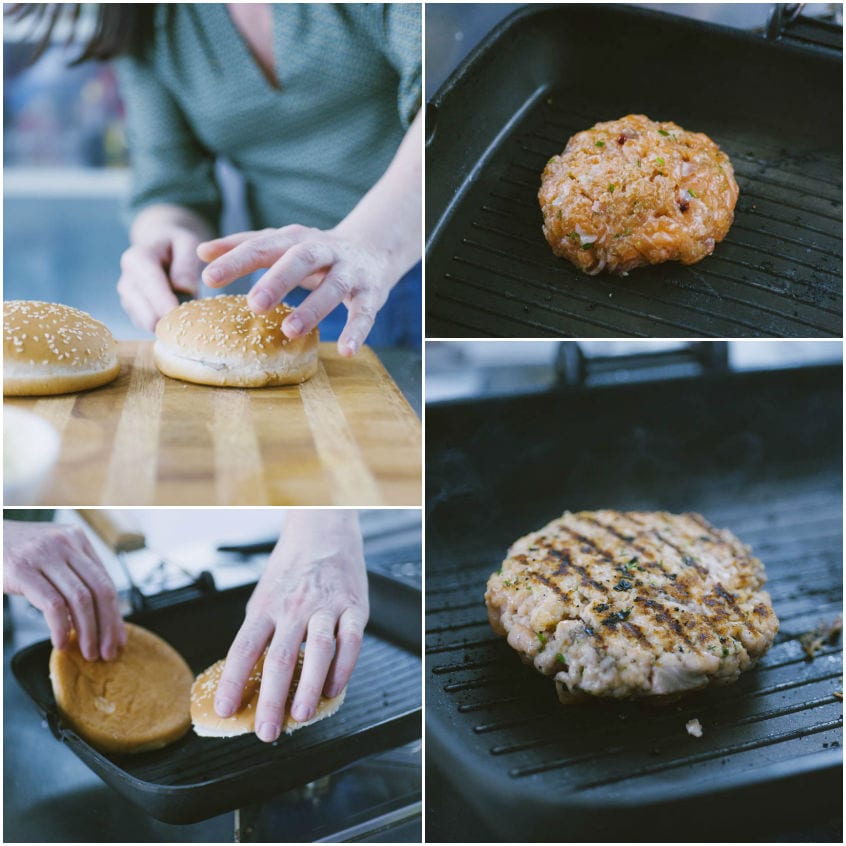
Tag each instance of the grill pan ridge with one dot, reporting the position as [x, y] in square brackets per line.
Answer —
[198, 778]
[545, 74]
[494, 726]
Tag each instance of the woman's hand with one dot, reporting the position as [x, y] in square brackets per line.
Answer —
[314, 589]
[161, 260]
[56, 569]
[337, 269]
[356, 263]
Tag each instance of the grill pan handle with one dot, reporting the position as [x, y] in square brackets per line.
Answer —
[121, 534]
[575, 368]
[782, 15]
[201, 587]
[787, 23]
[247, 550]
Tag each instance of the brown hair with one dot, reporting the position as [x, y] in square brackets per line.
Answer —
[119, 27]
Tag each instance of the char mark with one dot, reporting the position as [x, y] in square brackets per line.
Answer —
[729, 600]
[687, 560]
[701, 521]
[665, 618]
[565, 563]
[553, 586]
[727, 597]
[649, 555]
[603, 553]
[634, 630]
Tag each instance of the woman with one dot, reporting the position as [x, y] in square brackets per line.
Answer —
[313, 589]
[315, 105]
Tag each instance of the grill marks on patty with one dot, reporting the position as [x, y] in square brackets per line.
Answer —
[566, 563]
[662, 583]
[646, 559]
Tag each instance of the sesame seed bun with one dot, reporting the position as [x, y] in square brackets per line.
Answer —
[207, 723]
[138, 702]
[50, 348]
[221, 341]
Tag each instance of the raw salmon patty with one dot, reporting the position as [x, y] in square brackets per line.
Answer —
[632, 192]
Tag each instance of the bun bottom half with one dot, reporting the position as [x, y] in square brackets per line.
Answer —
[136, 703]
[290, 367]
[47, 380]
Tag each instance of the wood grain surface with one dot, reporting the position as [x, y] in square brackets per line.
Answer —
[345, 437]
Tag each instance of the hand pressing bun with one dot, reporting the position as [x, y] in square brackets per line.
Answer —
[49, 348]
[207, 723]
[138, 702]
[220, 341]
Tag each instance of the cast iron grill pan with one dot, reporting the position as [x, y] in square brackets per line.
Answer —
[198, 778]
[535, 768]
[546, 74]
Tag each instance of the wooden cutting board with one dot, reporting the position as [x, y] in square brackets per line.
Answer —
[345, 437]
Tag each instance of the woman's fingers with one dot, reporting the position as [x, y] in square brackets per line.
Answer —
[254, 253]
[44, 596]
[340, 283]
[210, 250]
[362, 314]
[140, 312]
[248, 645]
[144, 287]
[185, 266]
[319, 651]
[350, 633]
[106, 606]
[301, 257]
[297, 264]
[279, 665]
[81, 605]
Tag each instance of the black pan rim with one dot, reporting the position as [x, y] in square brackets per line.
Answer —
[534, 9]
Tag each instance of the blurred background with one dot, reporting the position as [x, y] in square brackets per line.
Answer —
[454, 29]
[65, 175]
[472, 369]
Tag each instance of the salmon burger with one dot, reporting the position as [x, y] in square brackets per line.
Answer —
[634, 192]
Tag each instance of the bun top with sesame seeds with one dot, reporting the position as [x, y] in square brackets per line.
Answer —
[222, 341]
[207, 722]
[50, 348]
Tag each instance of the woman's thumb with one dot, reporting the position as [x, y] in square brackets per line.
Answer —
[185, 267]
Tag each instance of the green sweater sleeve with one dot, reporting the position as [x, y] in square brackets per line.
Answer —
[402, 45]
[169, 163]
[29, 515]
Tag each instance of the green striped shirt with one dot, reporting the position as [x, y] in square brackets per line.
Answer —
[349, 85]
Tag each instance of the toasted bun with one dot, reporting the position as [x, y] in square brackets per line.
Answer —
[221, 341]
[49, 348]
[139, 701]
[207, 723]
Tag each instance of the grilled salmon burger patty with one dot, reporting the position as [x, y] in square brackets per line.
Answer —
[630, 605]
[633, 192]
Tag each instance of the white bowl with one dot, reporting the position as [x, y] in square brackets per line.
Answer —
[30, 450]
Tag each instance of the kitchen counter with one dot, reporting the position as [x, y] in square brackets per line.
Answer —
[67, 249]
[344, 437]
